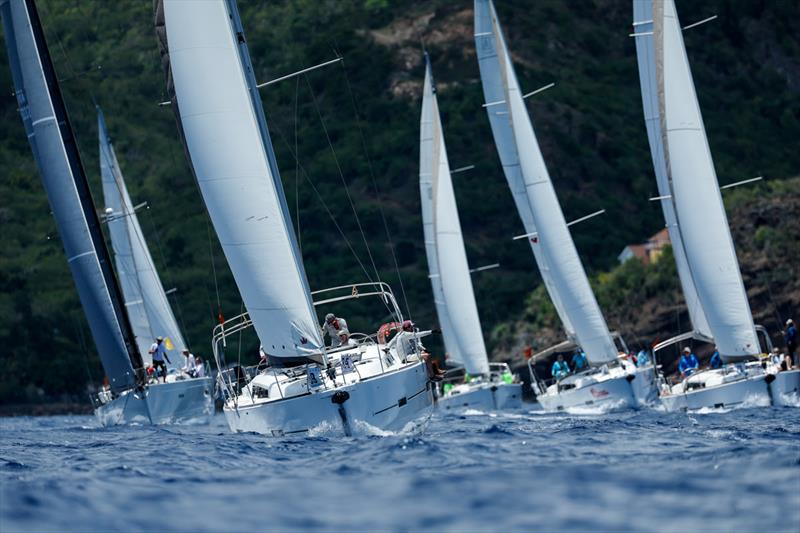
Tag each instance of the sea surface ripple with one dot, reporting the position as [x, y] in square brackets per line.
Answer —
[524, 470]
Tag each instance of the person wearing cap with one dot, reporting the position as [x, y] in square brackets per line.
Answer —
[189, 367]
[406, 341]
[344, 338]
[331, 328]
[716, 360]
[688, 363]
[790, 335]
[159, 352]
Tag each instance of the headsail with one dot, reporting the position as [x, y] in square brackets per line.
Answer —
[444, 244]
[226, 137]
[645, 54]
[145, 299]
[55, 150]
[695, 192]
[530, 182]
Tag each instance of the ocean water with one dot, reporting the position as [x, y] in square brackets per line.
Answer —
[718, 471]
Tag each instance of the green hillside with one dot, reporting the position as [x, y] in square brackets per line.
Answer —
[590, 127]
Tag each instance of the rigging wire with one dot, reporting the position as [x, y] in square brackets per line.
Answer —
[378, 194]
[297, 168]
[341, 176]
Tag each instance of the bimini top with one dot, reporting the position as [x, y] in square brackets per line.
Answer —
[535, 197]
[444, 244]
[707, 263]
[225, 134]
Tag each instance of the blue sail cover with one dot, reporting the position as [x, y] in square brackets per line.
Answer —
[50, 134]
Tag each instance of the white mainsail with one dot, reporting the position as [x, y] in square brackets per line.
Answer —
[444, 243]
[145, 299]
[695, 194]
[530, 182]
[231, 154]
[645, 53]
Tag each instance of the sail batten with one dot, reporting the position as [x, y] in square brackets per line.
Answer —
[145, 298]
[223, 129]
[534, 194]
[444, 243]
[694, 192]
[49, 132]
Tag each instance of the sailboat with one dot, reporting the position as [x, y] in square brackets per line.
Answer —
[368, 382]
[184, 396]
[44, 115]
[608, 382]
[479, 384]
[694, 213]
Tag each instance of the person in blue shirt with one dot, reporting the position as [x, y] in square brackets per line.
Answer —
[578, 361]
[642, 358]
[560, 368]
[790, 335]
[688, 363]
[716, 360]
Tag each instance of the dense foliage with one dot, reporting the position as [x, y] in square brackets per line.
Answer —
[590, 127]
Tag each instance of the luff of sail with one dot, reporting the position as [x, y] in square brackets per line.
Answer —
[145, 299]
[55, 150]
[444, 244]
[695, 193]
[223, 129]
[568, 285]
[645, 54]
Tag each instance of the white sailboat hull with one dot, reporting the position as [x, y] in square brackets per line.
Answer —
[179, 402]
[645, 387]
[751, 390]
[483, 396]
[392, 401]
[785, 389]
[614, 393]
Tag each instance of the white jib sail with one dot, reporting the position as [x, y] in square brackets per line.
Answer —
[695, 193]
[568, 286]
[230, 159]
[147, 304]
[444, 244]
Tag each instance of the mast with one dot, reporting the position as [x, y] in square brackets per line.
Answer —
[529, 180]
[444, 243]
[145, 298]
[53, 143]
[695, 194]
[210, 78]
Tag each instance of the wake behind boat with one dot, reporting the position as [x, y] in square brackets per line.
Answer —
[215, 98]
[548, 234]
[478, 384]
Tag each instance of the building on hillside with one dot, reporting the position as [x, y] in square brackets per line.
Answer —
[647, 252]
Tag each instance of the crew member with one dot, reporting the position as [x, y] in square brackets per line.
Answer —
[688, 363]
[716, 360]
[189, 367]
[159, 353]
[578, 361]
[560, 368]
[791, 338]
[331, 328]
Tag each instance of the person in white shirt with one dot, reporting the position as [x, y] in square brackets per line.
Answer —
[331, 328]
[159, 353]
[189, 367]
[199, 368]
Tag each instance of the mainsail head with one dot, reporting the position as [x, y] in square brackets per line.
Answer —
[55, 150]
[533, 190]
[145, 298]
[695, 194]
[225, 134]
[444, 243]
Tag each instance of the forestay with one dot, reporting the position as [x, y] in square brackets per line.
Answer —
[225, 134]
[645, 54]
[444, 244]
[145, 299]
[530, 182]
[55, 150]
[695, 193]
